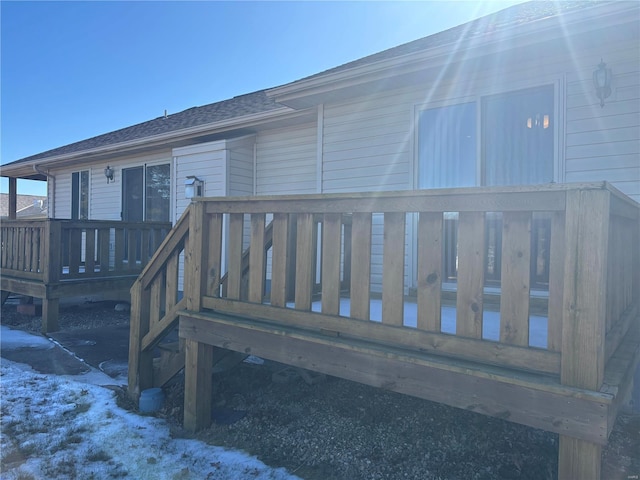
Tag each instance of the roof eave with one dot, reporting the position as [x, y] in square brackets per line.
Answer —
[25, 169]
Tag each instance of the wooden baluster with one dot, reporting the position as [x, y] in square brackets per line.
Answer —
[28, 246]
[234, 277]
[361, 266]
[90, 252]
[119, 249]
[331, 238]
[155, 299]
[145, 255]
[393, 269]
[132, 247]
[20, 249]
[279, 259]
[556, 283]
[214, 273]
[430, 271]
[515, 278]
[171, 282]
[104, 238]
[256, 258]
[305, 257]
[469, 305]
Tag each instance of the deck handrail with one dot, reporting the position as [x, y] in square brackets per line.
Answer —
[591, 226]
[155, 302]
[55, 250]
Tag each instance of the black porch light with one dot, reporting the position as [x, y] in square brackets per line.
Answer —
[602, 82]
[109, 172]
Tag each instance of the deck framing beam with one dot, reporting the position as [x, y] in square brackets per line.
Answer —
[494, 392]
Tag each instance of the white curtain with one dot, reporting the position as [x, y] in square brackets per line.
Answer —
[447, 146]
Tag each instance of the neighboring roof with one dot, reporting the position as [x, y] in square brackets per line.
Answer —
[236, 109]
[27, 206]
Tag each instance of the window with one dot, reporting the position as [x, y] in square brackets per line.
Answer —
[447, 143]
[516, 140]
[80, 195]
[158, 186]
[146, 193]
[517, 137]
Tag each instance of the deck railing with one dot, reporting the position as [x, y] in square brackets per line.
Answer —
[592, 237]
[54, 250]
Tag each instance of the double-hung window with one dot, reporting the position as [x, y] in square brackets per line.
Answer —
[503, 139]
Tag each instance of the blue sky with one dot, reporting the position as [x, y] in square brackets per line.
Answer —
[74, 70]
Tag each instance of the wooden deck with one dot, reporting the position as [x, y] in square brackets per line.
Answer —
[255, 267]
[52, 259]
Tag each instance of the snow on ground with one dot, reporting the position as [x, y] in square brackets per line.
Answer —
[55, 427]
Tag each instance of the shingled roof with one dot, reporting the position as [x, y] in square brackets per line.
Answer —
[487, 26]
[239, 106]
[260, 102]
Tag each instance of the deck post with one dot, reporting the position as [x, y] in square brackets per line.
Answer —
[52, 265]
[140, 362]
[583, 316]
[197, 385]
[196, 254]
[13, 198]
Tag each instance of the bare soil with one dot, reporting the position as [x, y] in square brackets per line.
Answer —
[336, 429]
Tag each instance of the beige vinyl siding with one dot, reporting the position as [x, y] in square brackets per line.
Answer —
[208, 162]
[240, 158]
[62, 194]
[286, 160]
[367, 143]
[604, 143]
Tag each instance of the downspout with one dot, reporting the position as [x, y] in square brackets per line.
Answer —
[51, 206]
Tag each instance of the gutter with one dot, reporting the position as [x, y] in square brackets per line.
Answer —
[50, 201]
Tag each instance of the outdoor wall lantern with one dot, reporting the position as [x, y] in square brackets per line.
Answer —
[193, 187]
[109, 172]
[602, 82]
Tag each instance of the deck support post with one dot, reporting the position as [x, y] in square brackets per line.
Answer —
[50, 314]
[13, 198]
[583, 316]
[579, 459]
[197, 385]
[140, 361]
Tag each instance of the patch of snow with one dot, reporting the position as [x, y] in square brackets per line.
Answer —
[14, 339]
[55, 427]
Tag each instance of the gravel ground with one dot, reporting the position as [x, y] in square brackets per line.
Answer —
[336, 429]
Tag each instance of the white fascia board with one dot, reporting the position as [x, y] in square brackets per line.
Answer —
[542, 30]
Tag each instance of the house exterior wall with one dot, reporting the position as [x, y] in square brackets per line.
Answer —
[240, 154]
[105, 199]
[286, 160]
[208, 162]
[368, 143]
[604, 143]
